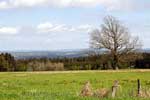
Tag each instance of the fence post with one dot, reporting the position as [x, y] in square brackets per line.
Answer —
[139, 87]
[115, 88]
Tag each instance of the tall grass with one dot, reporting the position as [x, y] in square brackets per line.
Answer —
[67, 86]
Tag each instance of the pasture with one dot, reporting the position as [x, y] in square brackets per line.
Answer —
[67, 85]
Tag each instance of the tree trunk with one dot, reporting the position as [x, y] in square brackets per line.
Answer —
[115, 62]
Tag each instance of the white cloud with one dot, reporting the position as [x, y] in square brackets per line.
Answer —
[108, 4]
[4, 5]
[46, 27]
[8, 30]
[85, 28]
[49, 27]
[27, 3]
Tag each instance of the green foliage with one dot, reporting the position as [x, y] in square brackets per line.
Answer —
[7, 62]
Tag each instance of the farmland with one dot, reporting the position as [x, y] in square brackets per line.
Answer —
[67, 85]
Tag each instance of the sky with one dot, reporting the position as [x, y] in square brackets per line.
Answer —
[66, 24]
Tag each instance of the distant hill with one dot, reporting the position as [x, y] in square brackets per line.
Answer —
[53, 54]
[146, 50]
[60, 53]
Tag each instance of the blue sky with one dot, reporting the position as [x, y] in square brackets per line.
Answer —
[66, 24]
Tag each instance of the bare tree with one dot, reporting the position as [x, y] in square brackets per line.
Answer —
[115, 38]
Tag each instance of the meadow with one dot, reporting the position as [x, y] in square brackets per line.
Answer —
[67, 85]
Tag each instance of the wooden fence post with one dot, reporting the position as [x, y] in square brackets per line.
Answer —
[115, 88]
[138, 87]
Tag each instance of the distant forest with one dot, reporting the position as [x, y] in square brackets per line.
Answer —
[91, 62]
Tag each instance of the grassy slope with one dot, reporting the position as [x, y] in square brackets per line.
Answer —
[66, 85]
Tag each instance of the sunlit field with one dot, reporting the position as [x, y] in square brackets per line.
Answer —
[67, 85]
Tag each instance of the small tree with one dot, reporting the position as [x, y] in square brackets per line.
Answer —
[115, 38]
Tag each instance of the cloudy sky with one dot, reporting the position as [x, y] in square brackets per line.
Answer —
[66, 24]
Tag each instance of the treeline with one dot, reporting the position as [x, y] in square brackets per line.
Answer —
[42, 64]
[143, 63]
[105, 61]
[92, 62]
[7, 62]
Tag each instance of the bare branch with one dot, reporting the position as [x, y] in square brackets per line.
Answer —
[114, 37]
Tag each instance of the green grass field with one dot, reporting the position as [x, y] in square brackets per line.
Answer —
[67, 85]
